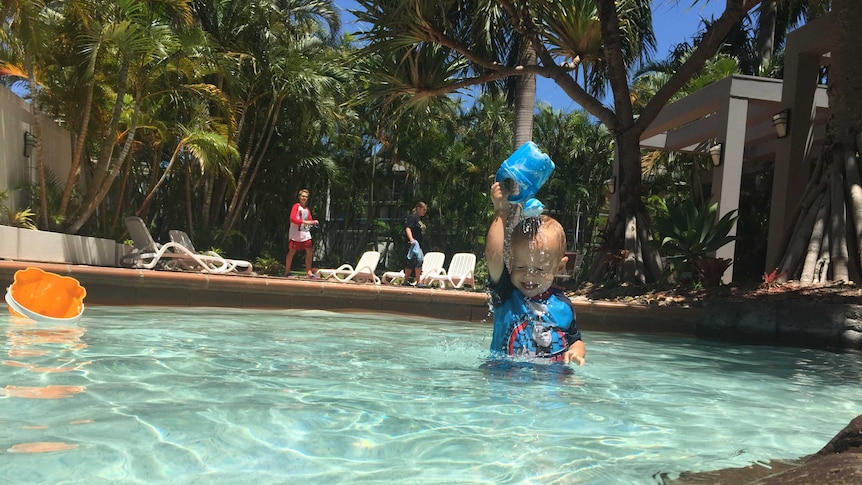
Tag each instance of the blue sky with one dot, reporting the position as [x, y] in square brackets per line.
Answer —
[675, 22]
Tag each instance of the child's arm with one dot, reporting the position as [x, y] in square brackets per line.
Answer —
[496, 233]
[576, 353]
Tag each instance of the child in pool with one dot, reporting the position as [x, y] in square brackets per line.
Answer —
[532, 318]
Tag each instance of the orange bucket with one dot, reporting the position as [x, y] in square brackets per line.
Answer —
[43, 296]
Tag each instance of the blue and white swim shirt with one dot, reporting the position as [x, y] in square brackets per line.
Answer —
[543, 326]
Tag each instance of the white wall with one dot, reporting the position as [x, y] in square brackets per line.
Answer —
[53, 247]
[16, 170]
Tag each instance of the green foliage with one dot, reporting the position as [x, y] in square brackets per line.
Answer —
[8, 217]
[688, 233]
[480, 275]
[54, 192]
[583, 153]
[267, 265]
[22, 218]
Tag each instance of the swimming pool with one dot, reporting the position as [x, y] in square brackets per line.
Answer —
[156, 395]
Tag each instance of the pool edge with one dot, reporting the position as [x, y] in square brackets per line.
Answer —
[132, 287]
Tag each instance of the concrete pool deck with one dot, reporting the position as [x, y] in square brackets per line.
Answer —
[126, 287]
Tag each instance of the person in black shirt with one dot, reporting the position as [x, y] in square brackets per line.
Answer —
[414, 230]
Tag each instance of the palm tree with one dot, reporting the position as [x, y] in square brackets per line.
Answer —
[583, 153]
[563, 50]
[26, 27]
[206, 148]
[775, 18]
[146, 44]
[81, 38]
[275, 63]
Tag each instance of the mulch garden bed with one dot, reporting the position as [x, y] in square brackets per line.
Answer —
[688, 296]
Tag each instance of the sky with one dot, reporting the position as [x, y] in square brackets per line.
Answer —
[675, 21]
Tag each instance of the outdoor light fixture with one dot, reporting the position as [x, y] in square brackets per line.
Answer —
[781, 120]
[29, 143]
[612, 184]
[715, 154]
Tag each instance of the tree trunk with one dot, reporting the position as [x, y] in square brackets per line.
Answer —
[765, 40]
[525, 98]
[815, 244]
[40, 153]
[854, 198]
[78, 152]
[256, 151]
[110, 174]
[207, 201]
[190, 220]
[103, 173]
[838, 226]
[841, 176]
[633, 268]
[141, 212]
[121, 204]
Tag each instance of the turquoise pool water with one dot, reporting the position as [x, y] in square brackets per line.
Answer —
[154, 395]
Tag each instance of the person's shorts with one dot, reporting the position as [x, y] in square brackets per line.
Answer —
[412, 263]
[300, 245]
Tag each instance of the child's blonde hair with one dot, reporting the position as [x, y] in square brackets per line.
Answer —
[543, 231]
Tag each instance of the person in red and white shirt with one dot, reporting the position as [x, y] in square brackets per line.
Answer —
[300, 233]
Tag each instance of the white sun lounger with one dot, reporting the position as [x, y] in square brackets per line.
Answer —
[229, 266]
[363, 271]
[432, 263]
[148, 254]
[460, 273]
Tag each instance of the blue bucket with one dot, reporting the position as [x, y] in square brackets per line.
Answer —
[529, 169]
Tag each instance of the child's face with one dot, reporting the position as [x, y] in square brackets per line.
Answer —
[534, 265]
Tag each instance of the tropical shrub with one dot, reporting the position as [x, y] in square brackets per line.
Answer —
[688, 234]
[710, 270]
[22, 218]
[267, 265]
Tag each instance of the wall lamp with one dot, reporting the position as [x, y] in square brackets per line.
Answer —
[715, 154]
[29, 143]
[781, 121]
[612, 184]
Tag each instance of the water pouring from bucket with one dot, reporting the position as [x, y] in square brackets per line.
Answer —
[45, 297]
[524, 173]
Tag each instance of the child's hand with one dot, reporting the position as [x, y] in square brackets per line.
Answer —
[574, 355]
[499, 197]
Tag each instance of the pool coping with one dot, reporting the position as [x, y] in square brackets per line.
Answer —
[144, 287]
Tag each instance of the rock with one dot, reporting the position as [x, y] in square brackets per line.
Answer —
[848, 440]
[839, 462]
